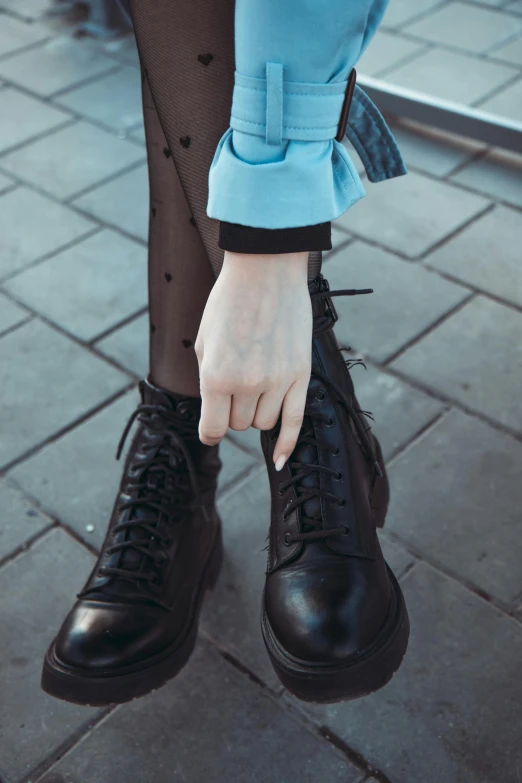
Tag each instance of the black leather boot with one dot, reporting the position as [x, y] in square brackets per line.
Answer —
[136, 620]
[334, 620]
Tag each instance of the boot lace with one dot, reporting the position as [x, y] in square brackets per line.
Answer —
[162, 484]
[312, 525]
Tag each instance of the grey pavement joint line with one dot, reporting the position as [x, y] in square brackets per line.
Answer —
[406, 60]
[12, 328]
[87, 346]
[420, 557]
[70, 744]
[22, 548]
[491, 94]
[484, 292]
[437, 244]
[64, 430]
[430, 328]
[55, 522]
[37, 137]
[417, 17]
[84, 83]
[22, 50]
[441, 397]
[484, 56]
[47, 256]
[111, 329]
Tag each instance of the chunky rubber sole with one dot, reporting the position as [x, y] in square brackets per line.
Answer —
[324, 683]
[109, 687]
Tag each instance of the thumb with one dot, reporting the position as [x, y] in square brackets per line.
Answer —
[292, 414]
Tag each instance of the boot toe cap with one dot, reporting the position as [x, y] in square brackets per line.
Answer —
[318, 615]
[97, 636]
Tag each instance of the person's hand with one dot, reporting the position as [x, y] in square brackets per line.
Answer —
[254, 348]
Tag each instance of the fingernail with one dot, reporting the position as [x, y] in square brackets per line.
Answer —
[280, 461]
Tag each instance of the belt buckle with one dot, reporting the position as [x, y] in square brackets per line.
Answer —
[345, 111]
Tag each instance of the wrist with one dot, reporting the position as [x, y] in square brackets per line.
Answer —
[260, 264]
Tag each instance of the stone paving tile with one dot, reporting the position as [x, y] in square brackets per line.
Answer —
[498, 174]
[28, 9]
[15, 34]
[443, 717]
[399, 410]
[5, 182]
[76, 477]
[231, 613]
[487, 255]
[10, 314]
[452, 76]
[471, 527]
[56, 383]
[123, 202]
[511, 52]
[507, 103]
[20, 521]
[114, 100]
[72, 159]
[235, 733]
[56, 65]
[397, 557]
[401, 11]
[23, 117]
[124, 48]
[410, 214]
[434, 151]
[89, 287]
[474, 357]
[515, 7]
[406, 300]
[32, 226]
[248, 439]
[385, 51]
[483, 28]
[138, 135]
[236, 462]
[35, 599]
[129, 345]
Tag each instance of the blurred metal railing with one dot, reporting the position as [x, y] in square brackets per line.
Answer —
[436, 112]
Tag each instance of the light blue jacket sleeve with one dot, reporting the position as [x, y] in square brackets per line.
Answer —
[279, 165]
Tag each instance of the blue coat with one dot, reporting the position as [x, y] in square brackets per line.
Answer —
[279, 165]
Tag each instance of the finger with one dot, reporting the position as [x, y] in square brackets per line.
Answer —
[292, 413]
[243, 410]
[215, 414]
[268, 409]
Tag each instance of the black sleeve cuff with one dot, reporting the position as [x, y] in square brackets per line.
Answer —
[247, 239]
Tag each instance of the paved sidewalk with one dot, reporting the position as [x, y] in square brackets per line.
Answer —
[441, 337]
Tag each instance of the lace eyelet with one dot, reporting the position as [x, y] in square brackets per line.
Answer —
[286, 539]
[320, 395]
[336, 452]
[281, 491]
[339, 477]
[100, 573]
[347, 530]
[342, 503]
[154, 580]
[329, 423]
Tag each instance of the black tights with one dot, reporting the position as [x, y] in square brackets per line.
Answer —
[187, 58]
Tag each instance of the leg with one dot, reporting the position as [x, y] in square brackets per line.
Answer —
[186, 110]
